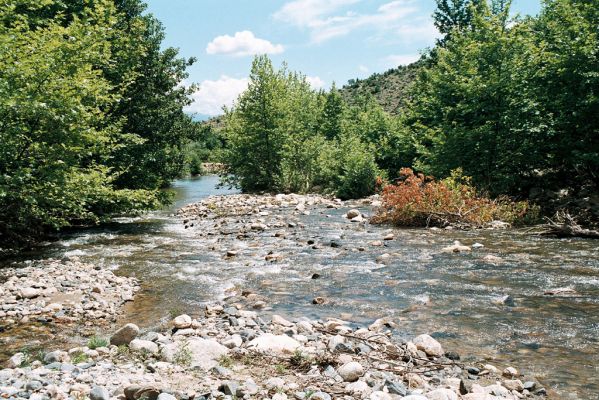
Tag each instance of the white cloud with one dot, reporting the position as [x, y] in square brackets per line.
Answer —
[325, 19]
[213, 95]
[363, 68]
[315, 82]
[401, 59]
[242, 44]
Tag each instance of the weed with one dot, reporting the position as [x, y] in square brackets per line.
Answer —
[183, 355]
[96, 341]
[225, 361]
[79, 357]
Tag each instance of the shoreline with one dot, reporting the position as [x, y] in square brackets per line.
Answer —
[217, 322]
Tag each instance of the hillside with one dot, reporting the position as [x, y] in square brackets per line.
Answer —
[389, 88]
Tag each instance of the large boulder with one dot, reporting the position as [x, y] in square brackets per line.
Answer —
[200, 353]
[125, 335]
[429, 345]
[277, 344]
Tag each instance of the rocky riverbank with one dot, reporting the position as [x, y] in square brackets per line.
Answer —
[236, 348]
[231, 353]
[62, 291]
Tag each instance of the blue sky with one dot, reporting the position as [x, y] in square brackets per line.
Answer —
[327, 40]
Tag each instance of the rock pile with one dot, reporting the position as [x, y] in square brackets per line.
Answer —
[233, 353]
[62, 291]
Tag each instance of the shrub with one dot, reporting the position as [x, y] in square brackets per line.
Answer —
[421, 201]
[95, 341]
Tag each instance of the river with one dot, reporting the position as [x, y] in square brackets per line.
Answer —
[458, 298]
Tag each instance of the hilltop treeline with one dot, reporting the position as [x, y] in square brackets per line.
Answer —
[91, 114]
[511, 102]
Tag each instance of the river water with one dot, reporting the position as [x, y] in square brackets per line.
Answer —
[455, 297]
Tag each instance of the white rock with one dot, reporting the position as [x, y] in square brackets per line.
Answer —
[203, 353]
[233, 342]
[351, 372]
[277, 319]
[359, 387]
[442, 394]
[16, 360]
[143, 346]
[166, 396]
[29, 293]
[510, 372]
[380, 396]
[269, 343]
[182, 321]
[429, 345]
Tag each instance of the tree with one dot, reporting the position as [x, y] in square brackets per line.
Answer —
[472, 108]
[252, 128]
[453, 15]
[53, 123]
[332, 114]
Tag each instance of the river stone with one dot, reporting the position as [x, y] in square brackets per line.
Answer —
[182, 321]
[442, 394]
[29, 293]
[269, 343]
[351, 371]
[166, 396]
[514, 384]
[143, 346]
[510, 372]
[16, 360]
[277, 319]
[378, 395]
[415, 397]
[353, 214]
[99, 393]
[56, 356]
[204, 353]
[429, 345]
[320, 396]
[357, 387]
[33, 386]
[125, 335]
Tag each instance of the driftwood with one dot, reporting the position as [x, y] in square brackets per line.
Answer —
[564, 225]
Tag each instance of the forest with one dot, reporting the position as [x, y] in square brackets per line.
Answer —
[92, 122]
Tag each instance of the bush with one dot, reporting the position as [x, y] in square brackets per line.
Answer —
[421, 201]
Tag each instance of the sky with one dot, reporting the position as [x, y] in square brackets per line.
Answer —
[327, 40]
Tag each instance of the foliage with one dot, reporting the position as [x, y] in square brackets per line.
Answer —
[96, 341]
[390, 88]
[284, 136]
[71, 149]
[421, 201]
[454, 15]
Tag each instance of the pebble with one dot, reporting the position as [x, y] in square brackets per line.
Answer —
[351, 371]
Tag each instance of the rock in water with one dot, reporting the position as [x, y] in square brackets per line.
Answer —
[125, 335]
[353, 214]
[429, 345]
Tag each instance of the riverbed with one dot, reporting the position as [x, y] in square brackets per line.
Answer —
[460, 298]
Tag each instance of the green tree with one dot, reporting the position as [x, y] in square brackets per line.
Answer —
[53, 124]
[253, 129]
[332, 114]
[453, 15]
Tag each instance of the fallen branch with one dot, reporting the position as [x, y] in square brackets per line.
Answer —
[564, 225]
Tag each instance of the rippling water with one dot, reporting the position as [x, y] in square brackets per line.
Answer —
[454, 296]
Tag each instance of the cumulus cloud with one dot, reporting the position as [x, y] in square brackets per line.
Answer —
[327, 19]
[213, 95]
[401, 59]
[243, 43]
[315, 82]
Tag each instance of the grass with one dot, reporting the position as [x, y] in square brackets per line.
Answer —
[96, 341]
[225, 361]
[79, 357]
[183, 355]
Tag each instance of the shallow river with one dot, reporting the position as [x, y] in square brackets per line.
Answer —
[456, 297]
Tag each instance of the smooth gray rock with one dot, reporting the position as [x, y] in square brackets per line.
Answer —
[99, 393]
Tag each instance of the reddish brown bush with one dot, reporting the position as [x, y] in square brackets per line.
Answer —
[421, 201]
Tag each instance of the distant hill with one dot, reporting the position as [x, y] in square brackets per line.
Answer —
[389, 88]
